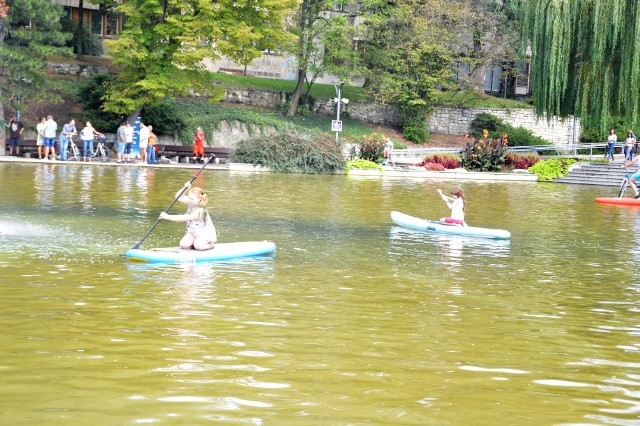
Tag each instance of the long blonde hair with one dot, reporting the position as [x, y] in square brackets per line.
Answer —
[204, 201]
[457, 191]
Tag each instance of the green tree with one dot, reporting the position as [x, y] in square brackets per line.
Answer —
[493, 37]
[585, 58]
[81, 36]
[324, 45]
[165, 43]
[409, 56]
[30, 33]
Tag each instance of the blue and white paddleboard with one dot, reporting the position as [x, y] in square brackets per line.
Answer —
[434, 226]
[223, 251]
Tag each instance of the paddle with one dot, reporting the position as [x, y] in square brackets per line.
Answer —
[184, 188]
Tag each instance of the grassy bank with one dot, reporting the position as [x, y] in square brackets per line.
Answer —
[209, 115]
[457, 99]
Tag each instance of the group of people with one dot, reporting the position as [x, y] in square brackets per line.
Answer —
[148, 142]
[627, 147]
[46, 132]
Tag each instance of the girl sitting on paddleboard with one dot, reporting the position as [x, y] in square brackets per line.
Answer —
[201, 234]
[458, 206]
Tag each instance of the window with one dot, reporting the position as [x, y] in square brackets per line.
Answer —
[492, 80]
[96, 22]
[112, 24]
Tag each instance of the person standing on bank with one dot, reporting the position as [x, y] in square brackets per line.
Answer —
[15, 132]
[50, 130]
[87, 134]
[128, 139]
[68, 130]
[629, 143]
[198, 146]
[40, 136]
[151, 147]
[121, 139]
[144, 142]
[388, 146]
[611, 144]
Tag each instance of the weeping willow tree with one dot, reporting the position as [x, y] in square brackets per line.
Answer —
[585, 58]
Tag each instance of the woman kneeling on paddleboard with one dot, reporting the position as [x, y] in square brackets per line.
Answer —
[458, 206]
[201, 234]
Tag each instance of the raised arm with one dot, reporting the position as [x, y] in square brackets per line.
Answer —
[183, 198]
[445, 198]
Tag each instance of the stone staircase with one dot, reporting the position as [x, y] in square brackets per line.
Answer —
[603, 174]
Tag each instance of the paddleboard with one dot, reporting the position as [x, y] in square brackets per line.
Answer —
[223, 251]
[619, 201]
[434, 226]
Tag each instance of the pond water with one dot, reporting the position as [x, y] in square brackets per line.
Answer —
[353, 320]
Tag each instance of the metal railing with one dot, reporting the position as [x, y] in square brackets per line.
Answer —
[557, 150]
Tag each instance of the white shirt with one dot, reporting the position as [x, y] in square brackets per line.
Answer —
[40, 131]
[87, 133]
[50, 129]
[457, 209]
[612, 138]
[128, 134]
[144, 135]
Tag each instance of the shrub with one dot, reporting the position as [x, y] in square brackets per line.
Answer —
[515, 161]
[362, 165]
[552, 168]
[518, 136]
[370, 147]
[166, 119]
[484, 121]
[91, 43]
[434, 167]
[484, 154]
[448, 161]
[90, 95]
[399, 145]
[292, 152]
[416, 133]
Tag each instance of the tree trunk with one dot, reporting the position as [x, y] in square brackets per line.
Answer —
[479, 68]
[79, 32]
[3, 140]
[134, 115]
[295, 96]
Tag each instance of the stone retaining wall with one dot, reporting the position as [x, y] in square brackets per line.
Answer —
[62, 68]
[448, 121]
[457, 121]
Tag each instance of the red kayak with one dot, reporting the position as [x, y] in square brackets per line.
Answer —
[619, 201]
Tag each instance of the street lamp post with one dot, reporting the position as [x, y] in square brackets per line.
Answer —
[338, 126]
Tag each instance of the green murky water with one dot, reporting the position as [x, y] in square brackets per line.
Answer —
[353, 321]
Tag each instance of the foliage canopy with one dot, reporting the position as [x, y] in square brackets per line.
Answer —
[165, 43]
[35, 33]
[585, 57]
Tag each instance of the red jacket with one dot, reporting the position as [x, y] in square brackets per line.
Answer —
[198, 138]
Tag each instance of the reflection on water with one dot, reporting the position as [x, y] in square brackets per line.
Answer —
[355, 321]
[452, 246]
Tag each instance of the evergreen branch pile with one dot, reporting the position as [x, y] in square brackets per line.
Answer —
[289, 153]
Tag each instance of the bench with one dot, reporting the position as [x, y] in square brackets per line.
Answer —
[29, 147]
[184, 154]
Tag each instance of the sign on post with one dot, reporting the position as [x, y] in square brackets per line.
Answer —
[336, 125]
